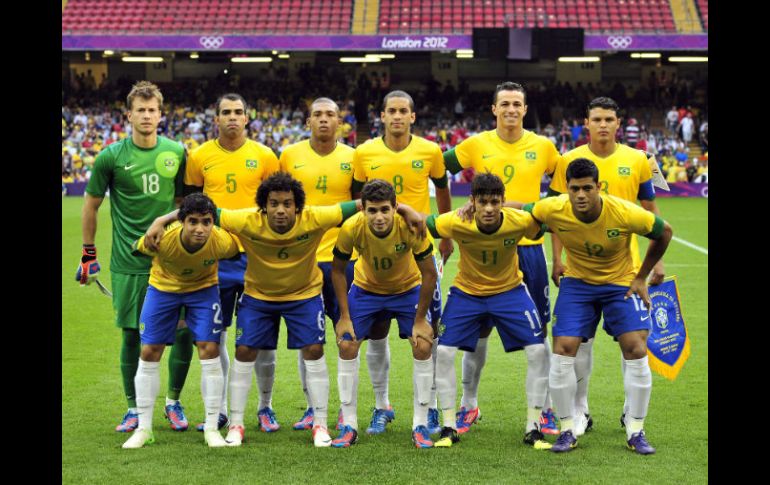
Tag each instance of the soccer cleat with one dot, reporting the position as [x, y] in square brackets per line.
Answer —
[321, 438]
[235, 435]
[222, 422]
[175, 416]
[129, 423]
[433, 424]
[466, 417]
[622, 420]
[639, 444]
[140, 438]
[214, 439]
[565, 442]
[536, 439]
[340, 420]
[348, 436]
[267, 421]
[380, 417]
[548, 422]
[448, 437]
[421, 437]
[305, 422]
[581, 423]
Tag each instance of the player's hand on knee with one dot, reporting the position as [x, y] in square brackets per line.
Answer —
[422, 330]
[89, 267]
[657, 274]
[557, 272]
[345, 326]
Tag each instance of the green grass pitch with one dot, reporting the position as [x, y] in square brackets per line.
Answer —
[92, 403]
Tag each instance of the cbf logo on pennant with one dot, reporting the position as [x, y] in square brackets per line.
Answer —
[668, 345]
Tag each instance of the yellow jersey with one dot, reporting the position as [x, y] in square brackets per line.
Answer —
[408, 170]
[520, 165]
[489, 263]
[283, 267]
[386, 264]
[176, 270]
[326, 179]
[599, 252]
[230, 179]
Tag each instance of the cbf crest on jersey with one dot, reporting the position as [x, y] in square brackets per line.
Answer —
[668, 346]
[624, 171]
[345, 167]
[251, 164]
[167, 164]
[418, 165]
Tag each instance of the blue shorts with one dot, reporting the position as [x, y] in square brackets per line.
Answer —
[513, 313]
[160, 315]
[580, 305]
[367, 308]
[231, 274]
[533, 267]
[259, 320]
[331, 307]
[434, 312]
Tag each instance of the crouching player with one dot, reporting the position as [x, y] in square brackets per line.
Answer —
[600, 279]
[394, 277]
[183, 275]
[489, 287]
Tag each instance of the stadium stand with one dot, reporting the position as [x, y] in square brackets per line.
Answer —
[207, 16]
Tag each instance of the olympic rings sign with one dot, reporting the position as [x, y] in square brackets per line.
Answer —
[620, 42]
[212, 42]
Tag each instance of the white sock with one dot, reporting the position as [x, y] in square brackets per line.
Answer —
[623, 373]
[212, 383]
[347, 383]
[133, 410]
[302, 377]
[264, 368]
[422, 381]
[378, 362]
[473, 362]
[433, 394]
[147, 385]
[224, 361]
[170, 402]
[240, 384]
[318, 387]
[536, 382]
[446, 383]
[548, 404]
[637, 381]
[562, 382]
[584, 362]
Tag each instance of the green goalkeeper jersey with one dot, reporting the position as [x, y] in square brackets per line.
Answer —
[142, 184]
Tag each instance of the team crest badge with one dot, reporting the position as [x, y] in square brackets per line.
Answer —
[303, 237]
[530, 155]
[613, 233]
[141, 328]
[400, 247]
[345, 167]
[418, 165]
[624, 171]
[238, 333]
[668, 346]
[509, 242]
[441, 329]
[167, 164]
[251, 164]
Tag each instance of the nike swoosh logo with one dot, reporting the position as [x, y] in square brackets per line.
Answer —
[207, 167]
[563, 230]
[646, 318]
[299, 166]
[539, 333]
[375, 167]
[464, 242]
[129, 167]
[487, 156]
[216, 331]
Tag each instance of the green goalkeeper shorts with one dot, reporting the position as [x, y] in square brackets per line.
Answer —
[128, 291]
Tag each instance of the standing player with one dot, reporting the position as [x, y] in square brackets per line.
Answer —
[394, 278]
[324, 167]
[143, 174]
[623, 172]
[229, 169]
[183, 275]
[601, 278]
[520, 158]
[488, 289]
[408, 162]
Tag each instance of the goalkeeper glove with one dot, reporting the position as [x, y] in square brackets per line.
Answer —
[89, 266]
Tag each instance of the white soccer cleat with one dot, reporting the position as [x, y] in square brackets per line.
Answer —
[321, 438]
[214, 439]
[581, 422]
[139, 438]
[235, 435]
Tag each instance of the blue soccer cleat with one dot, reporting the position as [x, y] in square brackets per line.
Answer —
[175, 416]
[348, 436]
[222, 422]
[380, 417]
[565, 442]
[421, 437]
[129, 423]
[267, 421]
[433, 425]
[465, 418]
[639, 444]
[305, 422]
[548, 422]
